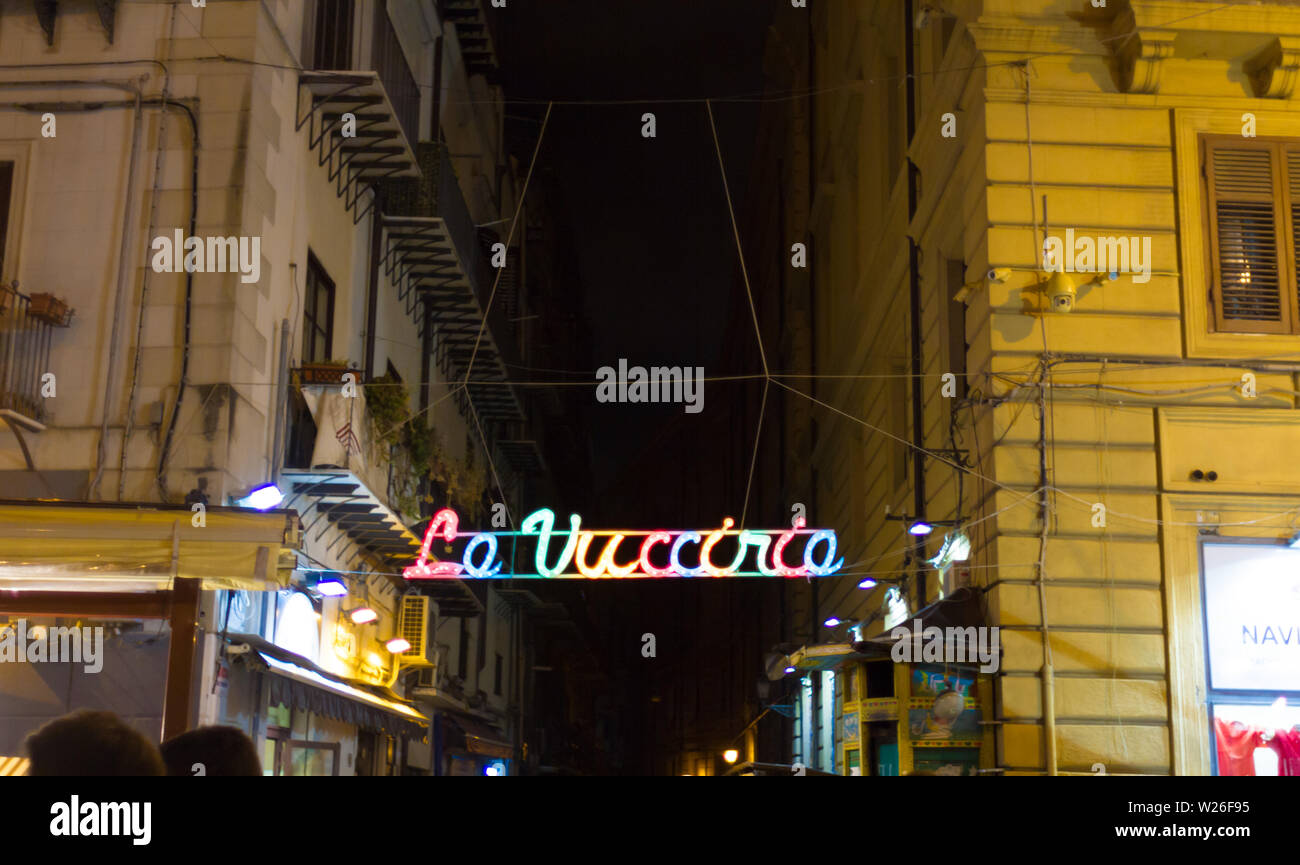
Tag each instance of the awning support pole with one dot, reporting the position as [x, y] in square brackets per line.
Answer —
[180, 657]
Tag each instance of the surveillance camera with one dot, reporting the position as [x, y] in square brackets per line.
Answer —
[1061, 292]
[999, 275]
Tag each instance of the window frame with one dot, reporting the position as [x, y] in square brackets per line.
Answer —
[20, 154]
[310, 323]
[1283, 229]
[1200, 338]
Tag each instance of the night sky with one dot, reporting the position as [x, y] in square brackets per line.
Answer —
[658, 268]
[649, 216]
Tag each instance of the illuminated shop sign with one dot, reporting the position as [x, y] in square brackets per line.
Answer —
[625, 553]
[1252, 612]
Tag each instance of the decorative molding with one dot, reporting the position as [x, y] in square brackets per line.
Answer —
[1138, 54]
[47, 11]
[107, 10]
[1275, 70]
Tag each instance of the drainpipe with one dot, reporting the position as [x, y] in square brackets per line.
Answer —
[281, 394]
[372, 285]
[914, 285]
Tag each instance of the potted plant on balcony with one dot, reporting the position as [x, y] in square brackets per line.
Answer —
[407, 438]
[50, 309]
[329, 372]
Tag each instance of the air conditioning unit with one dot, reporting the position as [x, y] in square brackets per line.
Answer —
[413, 626]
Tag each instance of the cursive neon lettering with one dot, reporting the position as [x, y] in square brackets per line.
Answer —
[684, 538]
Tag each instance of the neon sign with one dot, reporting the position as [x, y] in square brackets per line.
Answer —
[627, 553]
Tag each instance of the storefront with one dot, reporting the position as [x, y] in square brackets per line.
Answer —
[1252, 637]
[309, 721]
[859, 710]
[129, 582]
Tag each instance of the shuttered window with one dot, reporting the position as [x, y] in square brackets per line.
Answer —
[1253, 195]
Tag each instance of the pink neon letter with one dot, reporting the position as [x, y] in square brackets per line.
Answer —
[647, 568]
[785, 571]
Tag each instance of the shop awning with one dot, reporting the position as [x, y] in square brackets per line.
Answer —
[295, 681]
[808, 659]
[964, 608]
[10, 766]
[78, 546]
[469, 734]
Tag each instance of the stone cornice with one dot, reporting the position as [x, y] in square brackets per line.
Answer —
[1138, 53]
[1275, 71]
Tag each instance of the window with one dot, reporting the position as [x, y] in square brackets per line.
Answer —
[956, 323]
[6, 195]
[317, 314]
[331, 37]
[1253, 204]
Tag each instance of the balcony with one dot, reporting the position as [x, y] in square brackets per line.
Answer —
[379, 92]
[432, 254]
[27, 326]
[474, 33]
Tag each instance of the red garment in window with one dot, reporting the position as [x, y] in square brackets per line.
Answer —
[1236, 744]
[1287, 745]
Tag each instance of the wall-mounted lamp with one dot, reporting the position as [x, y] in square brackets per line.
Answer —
[261, 498]
[363, 616]
[326, 583]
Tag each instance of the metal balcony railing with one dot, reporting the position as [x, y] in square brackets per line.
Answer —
[25, 338]
[388, 59]
[331, 50]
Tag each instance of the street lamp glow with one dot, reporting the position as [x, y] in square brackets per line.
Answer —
[832, 622]
[330, 585]
[789, 670]
[262, 498]
[397, 645]
[920, 528]
[363, 616]
[731, 755]
[868, 583]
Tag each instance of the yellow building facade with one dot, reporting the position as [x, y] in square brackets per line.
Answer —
[1115, 437]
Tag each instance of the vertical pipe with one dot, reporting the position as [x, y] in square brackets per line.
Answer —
[372, 284]
[119, 300]
[435, 116]
[281, 394]
[914, 280]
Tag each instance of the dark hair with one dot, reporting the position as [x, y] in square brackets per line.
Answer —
[90, 743]
[223, 751]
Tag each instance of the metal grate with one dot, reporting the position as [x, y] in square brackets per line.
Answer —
[413, 623]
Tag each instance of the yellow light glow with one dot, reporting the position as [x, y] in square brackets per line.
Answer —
[731, 755]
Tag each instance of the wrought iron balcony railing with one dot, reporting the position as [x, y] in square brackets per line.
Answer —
[27, 327]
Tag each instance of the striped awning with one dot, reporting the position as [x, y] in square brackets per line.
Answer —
[10, 766]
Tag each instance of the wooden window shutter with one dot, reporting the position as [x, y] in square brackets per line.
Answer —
[1252, 283]
[1292, 199]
